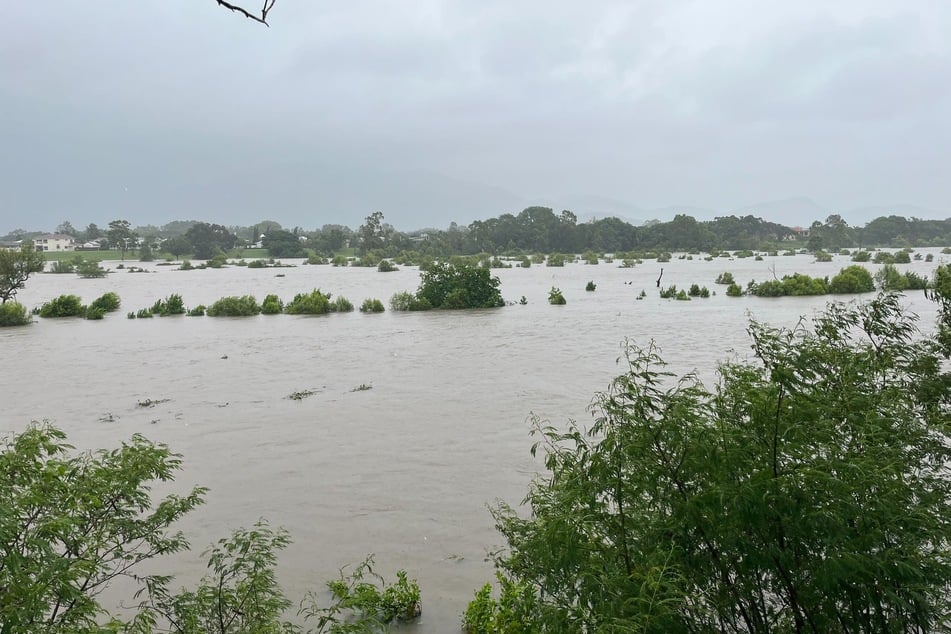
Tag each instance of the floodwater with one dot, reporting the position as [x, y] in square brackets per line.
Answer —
[405, 470]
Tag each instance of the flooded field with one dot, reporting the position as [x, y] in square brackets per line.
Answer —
[404, 470]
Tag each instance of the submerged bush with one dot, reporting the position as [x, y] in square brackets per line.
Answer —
[725, 278]
[272, 305]
[63, 306]
[108, 302]
[403, 301]
[852, 279]
[171, 305]
[556, 298]
[13, 314]
[341, 305]
[371, 306]
[590, 286]
[385, 266]
[313, 303]
[233, 306]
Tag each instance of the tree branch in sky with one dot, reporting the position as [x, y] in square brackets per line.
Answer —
[262, 17]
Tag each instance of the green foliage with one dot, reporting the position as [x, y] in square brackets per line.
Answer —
[371, 306]
[555, 297]
[725, 278]
[341, 305]
[698, 291]
[121, 236]
[369, 259]
[283, 244]
[590, 286]
[186, 266]
[108, 302]
[555, 259]
[71, 523]
[822, 256]
[240, 593]
[403, 301]
[89, 269]
[63, 306]
[171, 305]
[93, 313]
[197, 311]
[145, 253]
[63, 266]
[808, 491]
[272, 305]
[209, 240]
[385, 266]
[13, 314]
[447, 285]
[796, 284]
[143, 313]
[257, 264]
[367, 599]
[313, 303]
[340, 260]
[316, 259]
[889, 278]
[233, 306]
[590, 257]
[884, 257]
[861, 256]
[852, 279]
[512, 613]
[903, 257]
[668, 293]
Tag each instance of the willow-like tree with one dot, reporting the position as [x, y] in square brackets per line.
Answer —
[16, 266]
[808, 491]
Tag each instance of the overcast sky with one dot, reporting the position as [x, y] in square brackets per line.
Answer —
[434, 111]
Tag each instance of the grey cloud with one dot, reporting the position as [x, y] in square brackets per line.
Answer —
[344, 108]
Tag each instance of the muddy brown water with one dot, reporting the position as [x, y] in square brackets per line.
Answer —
[404, 470]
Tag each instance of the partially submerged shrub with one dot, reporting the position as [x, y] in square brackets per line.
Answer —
[63, 306]
[385, 266]
[371, 306]
[171, 305]
[370, 601]
[341, 305]
[555, 297]
[403, 301]
[234, 306]
[272, 305]
[90, 269]
[313, 303]
[725, 278]
[13, 314]
[108, 302]
[590, 286]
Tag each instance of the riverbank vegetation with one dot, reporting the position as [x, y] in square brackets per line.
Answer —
[759, 505]
[534, 230]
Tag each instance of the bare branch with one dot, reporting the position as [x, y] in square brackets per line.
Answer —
[265, 9]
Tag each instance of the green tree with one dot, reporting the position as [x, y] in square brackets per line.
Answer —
[807, 492]
[71, 524]
[447, 285]
[371, 232]
[121, 236]
[852, 279]
[16, 267]
[206, 239]
[177, 246]
[283, 244]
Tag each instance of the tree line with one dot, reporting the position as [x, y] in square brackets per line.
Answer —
[534, 229]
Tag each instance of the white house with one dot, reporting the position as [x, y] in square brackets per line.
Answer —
[54, 242]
